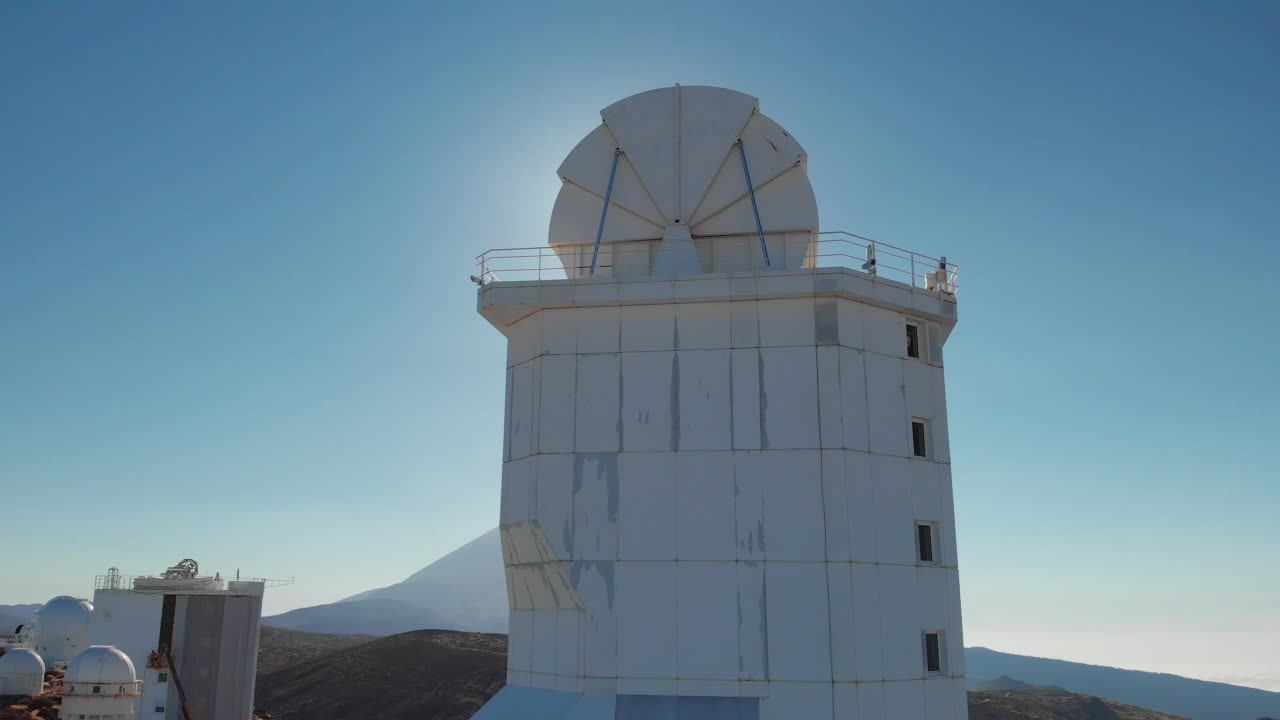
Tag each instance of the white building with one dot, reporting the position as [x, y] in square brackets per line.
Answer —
[21, 637]
[100, 684]
[209, 625]
[21, 672]
[62, 629]
[726, 487]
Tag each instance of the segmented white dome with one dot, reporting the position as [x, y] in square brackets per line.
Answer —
[100, 665]
[679, 164]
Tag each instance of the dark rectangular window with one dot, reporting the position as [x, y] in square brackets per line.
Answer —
[913, 340]
[97, 689]
[918, 445]
[933, 652]
[162, 677]
[164, 643]
[159, 708]
[924, 532]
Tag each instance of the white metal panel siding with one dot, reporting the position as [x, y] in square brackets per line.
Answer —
[131, 622]
[198, 660]
[731, 492]
[237, 656]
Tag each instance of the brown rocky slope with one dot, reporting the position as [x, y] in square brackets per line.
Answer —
[443, 675]
[281, 648]
[1053, 705]
[435, 674]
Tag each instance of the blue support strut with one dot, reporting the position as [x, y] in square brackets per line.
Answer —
[742, 153]
[604, 212]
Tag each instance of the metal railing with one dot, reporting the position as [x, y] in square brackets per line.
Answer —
[69, 688]
[125, 581]
[113, 581]
[735, 253]
[14, 640]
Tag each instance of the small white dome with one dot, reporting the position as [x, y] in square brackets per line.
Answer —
[62, 628]
[21, 661]
[64, 616]
[64, 609]
[100, 665]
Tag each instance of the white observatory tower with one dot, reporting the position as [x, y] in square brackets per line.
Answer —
[208, 626]
[726, 489]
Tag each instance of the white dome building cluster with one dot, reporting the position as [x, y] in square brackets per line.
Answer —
[142, 637]
[59, 631]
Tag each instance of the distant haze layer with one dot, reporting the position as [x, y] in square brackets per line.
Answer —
[1239, 658]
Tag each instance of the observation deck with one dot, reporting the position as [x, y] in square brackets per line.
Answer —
[516, 282]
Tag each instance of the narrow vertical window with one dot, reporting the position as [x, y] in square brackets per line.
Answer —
[913, 340]
[933, 652]
[925, 543]
[919, 438]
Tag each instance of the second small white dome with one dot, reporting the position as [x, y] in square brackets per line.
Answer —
[100, 665]
[21, 661]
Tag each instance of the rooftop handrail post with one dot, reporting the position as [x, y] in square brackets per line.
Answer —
[938, 274]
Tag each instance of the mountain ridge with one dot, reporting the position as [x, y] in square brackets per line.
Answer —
[463, 590]
[11, 616]
[372, 616]
[1199, 699]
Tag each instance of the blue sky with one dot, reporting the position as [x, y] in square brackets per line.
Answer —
[235, 321]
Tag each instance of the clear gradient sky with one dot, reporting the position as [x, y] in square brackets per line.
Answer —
[236, 325]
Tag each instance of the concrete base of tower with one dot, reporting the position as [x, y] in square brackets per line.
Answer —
[515, 702]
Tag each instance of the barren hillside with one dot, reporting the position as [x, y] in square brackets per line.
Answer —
[444, 675]
[432, 674]
[1053, 705]
[281, 648]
